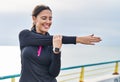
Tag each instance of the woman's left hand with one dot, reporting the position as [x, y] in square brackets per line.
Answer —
[57, 41]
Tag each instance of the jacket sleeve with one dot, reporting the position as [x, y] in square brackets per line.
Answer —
[28, 38]
[55, 65]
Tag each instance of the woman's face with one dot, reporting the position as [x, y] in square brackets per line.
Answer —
[43, 21]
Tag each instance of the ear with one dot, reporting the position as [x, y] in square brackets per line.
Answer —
[34, 19]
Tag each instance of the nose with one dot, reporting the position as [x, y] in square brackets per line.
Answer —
[48, 21]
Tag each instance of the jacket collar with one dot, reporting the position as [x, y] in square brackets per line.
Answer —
[34, 30]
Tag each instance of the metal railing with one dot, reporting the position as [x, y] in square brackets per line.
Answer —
[79, 75]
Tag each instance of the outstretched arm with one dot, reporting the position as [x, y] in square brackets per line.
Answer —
[28, 38]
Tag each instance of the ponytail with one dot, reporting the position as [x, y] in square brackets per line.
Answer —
[33, 26]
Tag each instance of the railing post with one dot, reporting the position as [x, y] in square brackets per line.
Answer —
[116, 69]
[82, 75]
[12, 79]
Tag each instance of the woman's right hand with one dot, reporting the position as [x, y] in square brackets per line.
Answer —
[88, 40]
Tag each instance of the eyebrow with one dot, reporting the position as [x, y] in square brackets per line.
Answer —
[46, 16]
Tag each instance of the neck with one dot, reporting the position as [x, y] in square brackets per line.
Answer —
[41, 32]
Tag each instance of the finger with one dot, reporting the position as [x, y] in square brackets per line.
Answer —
[92, 35]
[91, 43]
[60, 37]
[55, 36]
[99, 39]
[96, 39]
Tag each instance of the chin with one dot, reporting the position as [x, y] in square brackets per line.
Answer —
[45, 31]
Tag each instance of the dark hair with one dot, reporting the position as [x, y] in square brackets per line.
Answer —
[38, 9]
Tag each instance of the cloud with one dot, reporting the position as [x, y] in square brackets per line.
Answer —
[79, 17]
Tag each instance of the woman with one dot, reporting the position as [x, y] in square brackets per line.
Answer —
[40, 51]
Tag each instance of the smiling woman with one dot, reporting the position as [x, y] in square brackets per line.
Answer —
[40, 51]
[79, 17]
[42, 21]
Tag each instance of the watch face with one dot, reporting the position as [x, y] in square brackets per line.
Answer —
[57, 49]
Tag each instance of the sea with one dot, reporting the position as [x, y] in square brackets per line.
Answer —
[72, 55]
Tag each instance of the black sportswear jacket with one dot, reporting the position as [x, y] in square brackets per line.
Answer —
[43, 68]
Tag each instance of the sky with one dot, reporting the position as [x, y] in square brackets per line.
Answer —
[70, 17]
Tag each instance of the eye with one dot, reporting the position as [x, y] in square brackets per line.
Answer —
[50, 18]
[43, 18]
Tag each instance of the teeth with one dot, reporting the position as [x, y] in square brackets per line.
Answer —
[46, 26]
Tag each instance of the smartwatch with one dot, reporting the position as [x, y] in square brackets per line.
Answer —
[56, 50]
